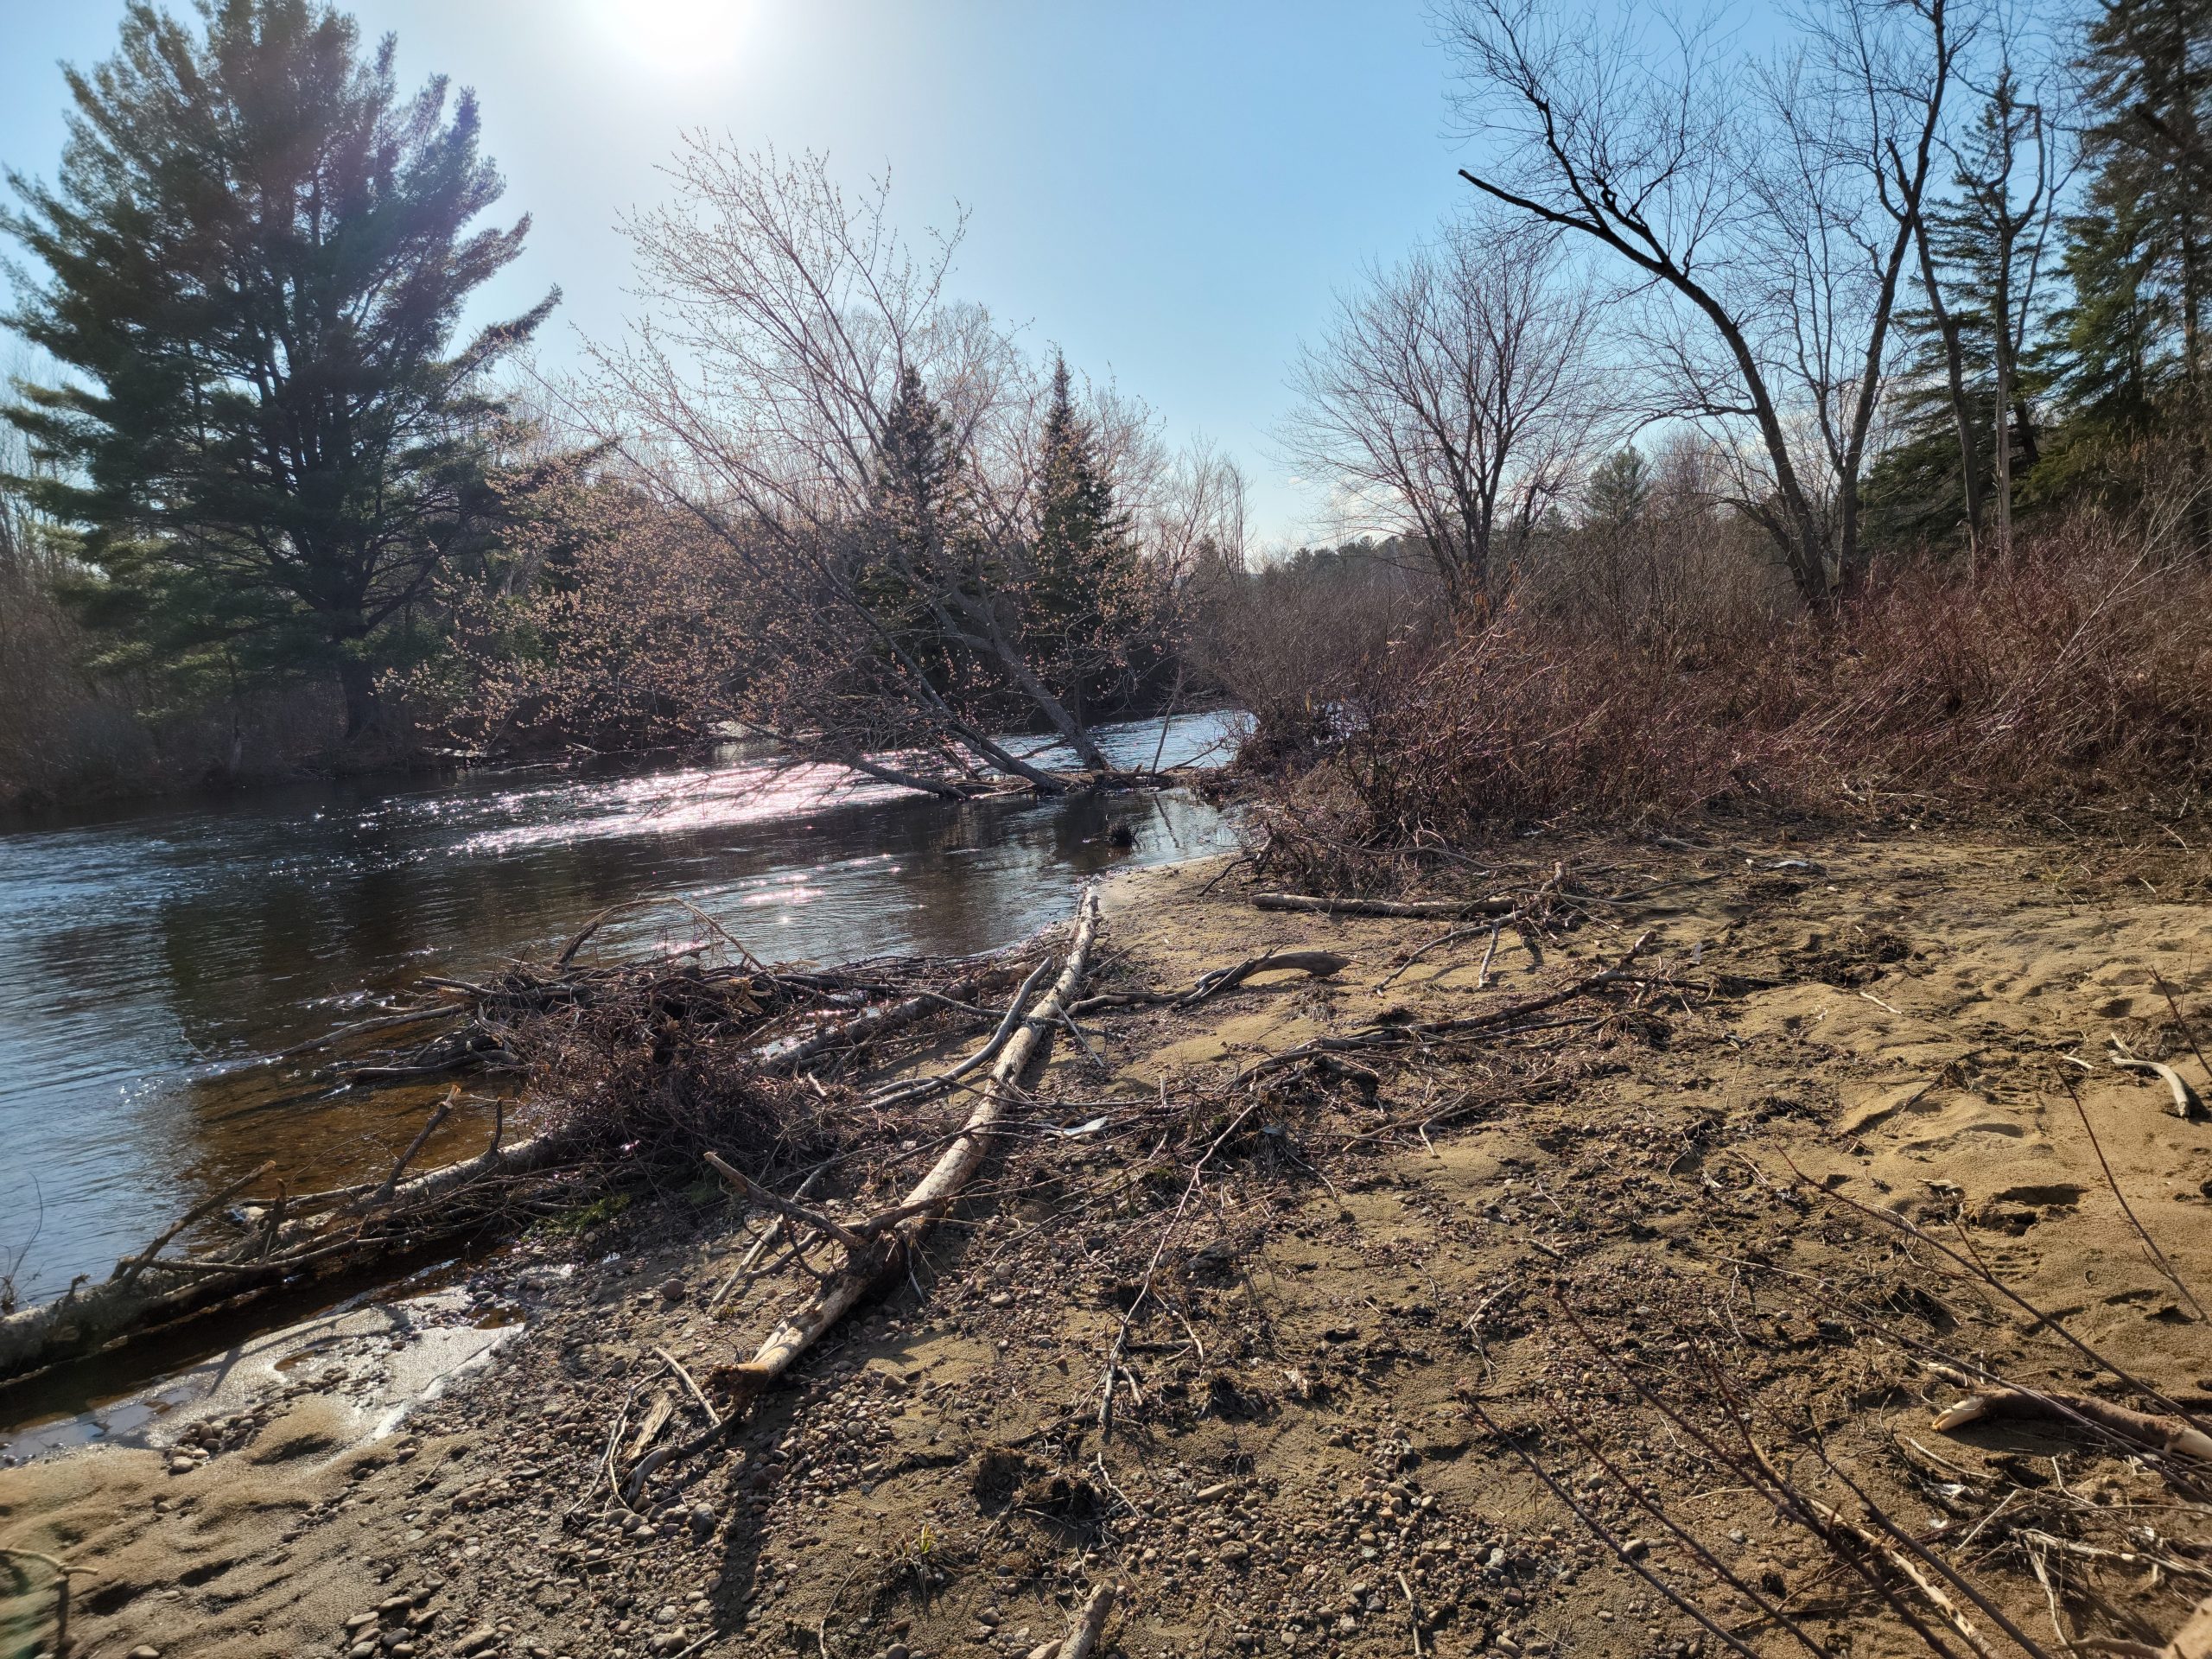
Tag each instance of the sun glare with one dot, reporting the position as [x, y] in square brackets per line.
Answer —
[677, 34]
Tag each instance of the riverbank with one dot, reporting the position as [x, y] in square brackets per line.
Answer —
[153, 966]
[1347, 1253]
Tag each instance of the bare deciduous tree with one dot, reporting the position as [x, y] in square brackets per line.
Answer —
[1451, 400]
[791, 329]
[1767, 211]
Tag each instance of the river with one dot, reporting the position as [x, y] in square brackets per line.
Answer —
[151, 959]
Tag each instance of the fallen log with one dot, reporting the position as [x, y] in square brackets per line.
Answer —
[934, 1193]
[144, 1291]
[1446, 908]
[2143, 1428]
[1084, 1639]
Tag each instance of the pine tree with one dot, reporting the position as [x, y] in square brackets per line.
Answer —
[1619, 490]
[915, 509]
[1083, 601]
[258, 251]
[2139, 252]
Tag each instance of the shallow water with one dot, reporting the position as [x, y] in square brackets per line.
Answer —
[147, 959]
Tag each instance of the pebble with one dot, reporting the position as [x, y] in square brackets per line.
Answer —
[672, 1290]
[360, 1621]
[180, 1464]
[145, 1652]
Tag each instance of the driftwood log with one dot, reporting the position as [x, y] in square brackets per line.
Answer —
[873, 1255]
[145, 1290]
[2143, 1428]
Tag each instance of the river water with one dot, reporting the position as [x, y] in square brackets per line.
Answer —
[149, 960]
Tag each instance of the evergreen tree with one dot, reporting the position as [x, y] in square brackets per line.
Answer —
[2139, 252]
[1081, 613]
[1619, 490]
[1986, 244]
[258, 251]
[916, 524]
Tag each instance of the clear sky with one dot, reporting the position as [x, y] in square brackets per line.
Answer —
[1168, 189]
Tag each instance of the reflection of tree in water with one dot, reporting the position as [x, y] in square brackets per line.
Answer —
[153, 944]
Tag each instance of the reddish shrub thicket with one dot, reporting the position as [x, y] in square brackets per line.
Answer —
[2081, 671]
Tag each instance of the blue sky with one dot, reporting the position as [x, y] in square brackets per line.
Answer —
[1169, 190]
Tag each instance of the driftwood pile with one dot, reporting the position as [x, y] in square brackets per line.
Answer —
[629, 1066]
[728, 1034]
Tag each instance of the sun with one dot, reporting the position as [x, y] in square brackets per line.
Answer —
[677, 34]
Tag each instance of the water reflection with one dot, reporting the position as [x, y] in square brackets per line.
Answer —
[144, 957]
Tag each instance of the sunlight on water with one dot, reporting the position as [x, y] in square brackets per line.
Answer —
[147, 958]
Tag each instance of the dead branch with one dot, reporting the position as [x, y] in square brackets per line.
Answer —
[1084, 1637]
[2186, 1104]
[800, 1330]
[1445, 908]
[2157, 1433]
[787, 1053]
[1321, 964]
[982, 1057]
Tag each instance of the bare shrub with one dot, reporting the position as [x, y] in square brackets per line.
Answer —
[2074, 677]
[1660, 557]
[1312, 647]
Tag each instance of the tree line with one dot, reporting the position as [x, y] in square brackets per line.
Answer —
[258, 462]
[1726, 324]
[1912, 277]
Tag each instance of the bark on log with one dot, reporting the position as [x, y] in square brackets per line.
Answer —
[1448, 908]
[934, 1193]
[2156, 1433]
[788, 1052]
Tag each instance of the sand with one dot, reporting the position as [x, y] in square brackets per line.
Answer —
[1380, 1269]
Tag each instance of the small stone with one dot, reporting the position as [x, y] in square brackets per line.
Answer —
[182, 1464]
[144, 1651]
[896, 1650]
[364, 1650]
[989, 1616]
[702, 1518]
[477, 1640]
[672, 1290]
[1636, 1548]
[391, 1604]
[668, 1614]
[360, 1621]
[999, 1298]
